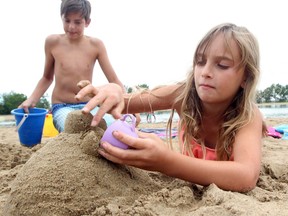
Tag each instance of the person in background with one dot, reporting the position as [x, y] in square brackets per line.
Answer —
[150, 117]
[220, 126]
[70, 57]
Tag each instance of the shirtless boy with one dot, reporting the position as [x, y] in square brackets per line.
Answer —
[70, 57]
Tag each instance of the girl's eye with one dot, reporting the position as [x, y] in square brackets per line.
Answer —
[201, 62]
[222, 66]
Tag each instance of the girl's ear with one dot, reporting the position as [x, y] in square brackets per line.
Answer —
[243, 84]
[244, 80]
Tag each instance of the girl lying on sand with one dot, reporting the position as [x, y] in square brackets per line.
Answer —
[220, 127]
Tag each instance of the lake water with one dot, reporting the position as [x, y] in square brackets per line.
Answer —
[268, 112]
[280, 112]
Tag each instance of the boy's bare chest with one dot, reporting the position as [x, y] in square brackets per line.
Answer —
[72, 59]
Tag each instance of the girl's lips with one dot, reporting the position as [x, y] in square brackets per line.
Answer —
[205, 86]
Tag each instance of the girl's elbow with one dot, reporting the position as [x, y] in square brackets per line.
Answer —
[248, 182]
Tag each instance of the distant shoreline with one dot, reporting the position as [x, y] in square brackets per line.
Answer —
[276, 104]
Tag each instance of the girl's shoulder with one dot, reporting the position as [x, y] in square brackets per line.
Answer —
[257, 113]
[255, 124]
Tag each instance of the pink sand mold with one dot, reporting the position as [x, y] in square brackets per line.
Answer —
[123, 126]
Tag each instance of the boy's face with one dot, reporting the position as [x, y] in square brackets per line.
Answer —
[74, 24]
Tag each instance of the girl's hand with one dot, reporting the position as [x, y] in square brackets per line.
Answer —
[147, 152]
[108, 97]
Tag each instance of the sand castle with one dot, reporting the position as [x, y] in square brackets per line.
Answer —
[67, 176]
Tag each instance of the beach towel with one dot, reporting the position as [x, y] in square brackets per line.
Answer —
[161, 132]
[271, 131]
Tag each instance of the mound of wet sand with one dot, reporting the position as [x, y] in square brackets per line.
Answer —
[68, 177]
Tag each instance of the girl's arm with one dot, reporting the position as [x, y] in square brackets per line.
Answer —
[160, 98]
[150, 153]
[111, 99]
[238, 175]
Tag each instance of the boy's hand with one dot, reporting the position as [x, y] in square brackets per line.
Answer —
[26, 105]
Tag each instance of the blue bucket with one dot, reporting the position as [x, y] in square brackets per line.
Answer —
[30, 125]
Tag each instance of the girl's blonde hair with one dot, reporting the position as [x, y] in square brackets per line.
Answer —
[240, 111]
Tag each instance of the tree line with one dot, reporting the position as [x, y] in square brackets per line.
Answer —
[11, 100]
[276, 93]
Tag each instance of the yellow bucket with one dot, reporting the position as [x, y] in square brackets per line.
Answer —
[49, 130]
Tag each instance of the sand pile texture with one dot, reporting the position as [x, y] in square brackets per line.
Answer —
[68, 177]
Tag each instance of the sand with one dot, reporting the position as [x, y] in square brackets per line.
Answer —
[64, 175]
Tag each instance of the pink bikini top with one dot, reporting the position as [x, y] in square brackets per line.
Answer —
[197, 150]
[210, 153]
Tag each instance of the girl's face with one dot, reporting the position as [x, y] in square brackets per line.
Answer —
[217, 74]
[74, 25]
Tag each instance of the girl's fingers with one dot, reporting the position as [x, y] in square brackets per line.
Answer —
[88, 90]
[108, 97]
[132, 142]
[83, 83]
[107, 151]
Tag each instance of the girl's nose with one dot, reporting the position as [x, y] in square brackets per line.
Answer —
[207, 70]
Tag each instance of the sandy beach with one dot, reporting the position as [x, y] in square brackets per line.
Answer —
[55, 179]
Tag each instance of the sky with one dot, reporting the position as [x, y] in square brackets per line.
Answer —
[148, 41]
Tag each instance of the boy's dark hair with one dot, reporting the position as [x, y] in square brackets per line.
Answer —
[70, 6]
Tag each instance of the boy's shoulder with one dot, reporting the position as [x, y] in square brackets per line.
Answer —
[93, 39]
[95, 42]
[58, 37]
[54, 38]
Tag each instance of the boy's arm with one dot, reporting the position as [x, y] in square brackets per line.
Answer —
[109, 72]
[45, 81]
[106, 66]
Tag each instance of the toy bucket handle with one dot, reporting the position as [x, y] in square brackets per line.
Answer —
[25, 116]
[132, 118]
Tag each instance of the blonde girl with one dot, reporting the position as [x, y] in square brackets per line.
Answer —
[220, 127]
